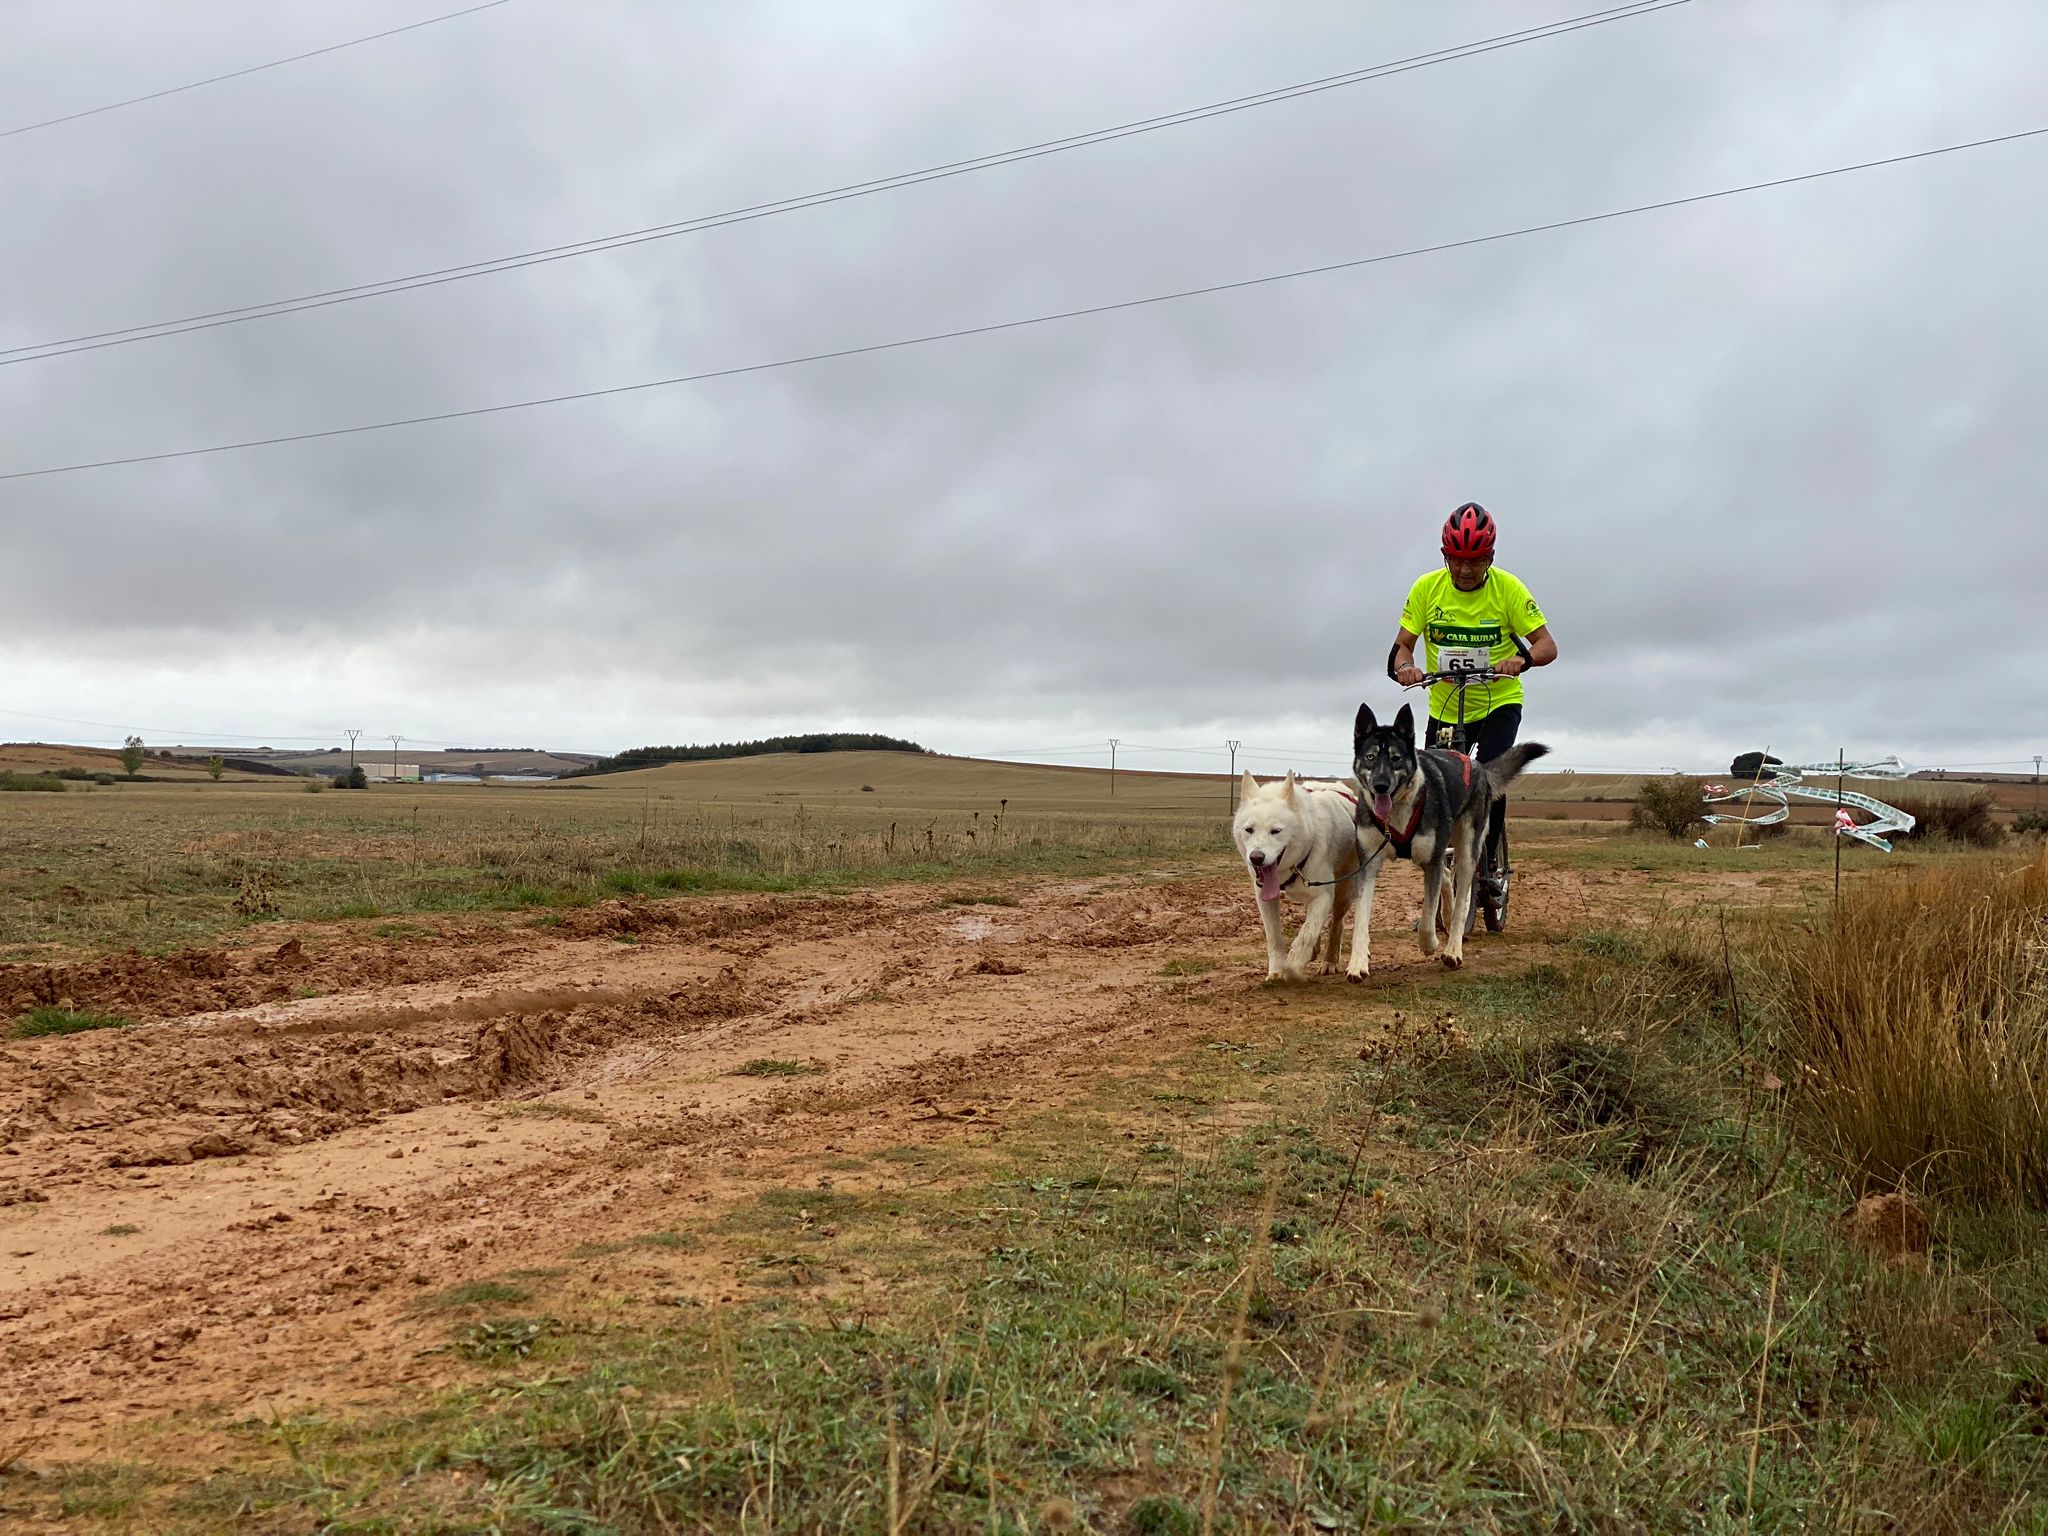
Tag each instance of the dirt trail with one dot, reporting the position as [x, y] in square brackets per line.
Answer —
[239, 1204]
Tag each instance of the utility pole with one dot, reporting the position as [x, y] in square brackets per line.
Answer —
[1233, 745]
[1112, 767]
[2037, 781]
[394, 757]
[352, 735]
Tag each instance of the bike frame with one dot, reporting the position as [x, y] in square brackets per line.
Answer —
[1493, 854]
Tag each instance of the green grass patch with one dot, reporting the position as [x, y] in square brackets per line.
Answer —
[103, 1491]
[120, 1229]
[663, 1242]
[476, 1293]
[64, 1021]
[504, 1341]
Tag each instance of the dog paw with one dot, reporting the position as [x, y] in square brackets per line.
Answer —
[1452, 962]
[1355, 975]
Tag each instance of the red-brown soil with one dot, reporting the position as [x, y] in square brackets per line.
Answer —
[309, 1137]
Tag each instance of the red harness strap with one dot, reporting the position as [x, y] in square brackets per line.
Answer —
[1403, 841]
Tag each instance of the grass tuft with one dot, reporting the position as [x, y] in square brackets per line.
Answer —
[476, 1293]
[64, 1021]
[1915, 1027]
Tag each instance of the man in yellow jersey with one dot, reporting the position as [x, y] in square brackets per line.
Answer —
[1470, 613]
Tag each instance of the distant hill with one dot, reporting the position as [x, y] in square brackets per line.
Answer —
[819, 741]
[60, 758]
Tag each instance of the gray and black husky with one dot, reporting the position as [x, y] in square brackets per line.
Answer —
[1429, 805]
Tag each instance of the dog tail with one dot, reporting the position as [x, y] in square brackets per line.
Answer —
[1503, 770]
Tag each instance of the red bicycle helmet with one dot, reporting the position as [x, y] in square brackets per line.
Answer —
[1468, 533]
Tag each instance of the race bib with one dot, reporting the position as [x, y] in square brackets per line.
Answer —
[1465, 658]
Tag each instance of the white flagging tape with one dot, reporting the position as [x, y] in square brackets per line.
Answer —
[1779, 780]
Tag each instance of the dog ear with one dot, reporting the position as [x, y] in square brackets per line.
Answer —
[1249, 786]
[1404, 722]
[1362, 727]
[1289, 790]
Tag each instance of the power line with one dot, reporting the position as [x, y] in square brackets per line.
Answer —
[240, 315]
[995, 327]
[253, 69]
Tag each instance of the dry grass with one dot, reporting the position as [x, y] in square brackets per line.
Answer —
[1917, 1023]
[157, 866]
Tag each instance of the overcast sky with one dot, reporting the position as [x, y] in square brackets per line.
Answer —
[1773, 464]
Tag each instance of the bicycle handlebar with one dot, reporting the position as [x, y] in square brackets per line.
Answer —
[1474, 679]
[1489, 676]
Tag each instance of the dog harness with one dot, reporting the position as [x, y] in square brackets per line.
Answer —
[1350, 800]
[1404, 841]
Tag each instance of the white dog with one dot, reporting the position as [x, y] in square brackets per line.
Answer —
[1299, 838]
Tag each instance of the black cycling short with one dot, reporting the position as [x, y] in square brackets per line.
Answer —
[1487, 738]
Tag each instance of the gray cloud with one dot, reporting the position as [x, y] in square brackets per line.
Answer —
[1757, 457]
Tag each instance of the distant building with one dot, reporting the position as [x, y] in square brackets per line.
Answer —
[388, 772]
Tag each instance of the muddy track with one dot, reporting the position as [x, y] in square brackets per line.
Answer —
[238, 1205]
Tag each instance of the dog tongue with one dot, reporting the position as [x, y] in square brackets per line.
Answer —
[1269, 882]
[1383, 807]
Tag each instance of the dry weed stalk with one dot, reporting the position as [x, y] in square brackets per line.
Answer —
[1233, 1354]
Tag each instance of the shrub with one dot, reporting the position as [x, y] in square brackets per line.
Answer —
[216, 765]
[1670, 805]
[355, 778]
[48, 782]
[2031, 823]
[1969, 817]
[132, 753]
[1915, 1020]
